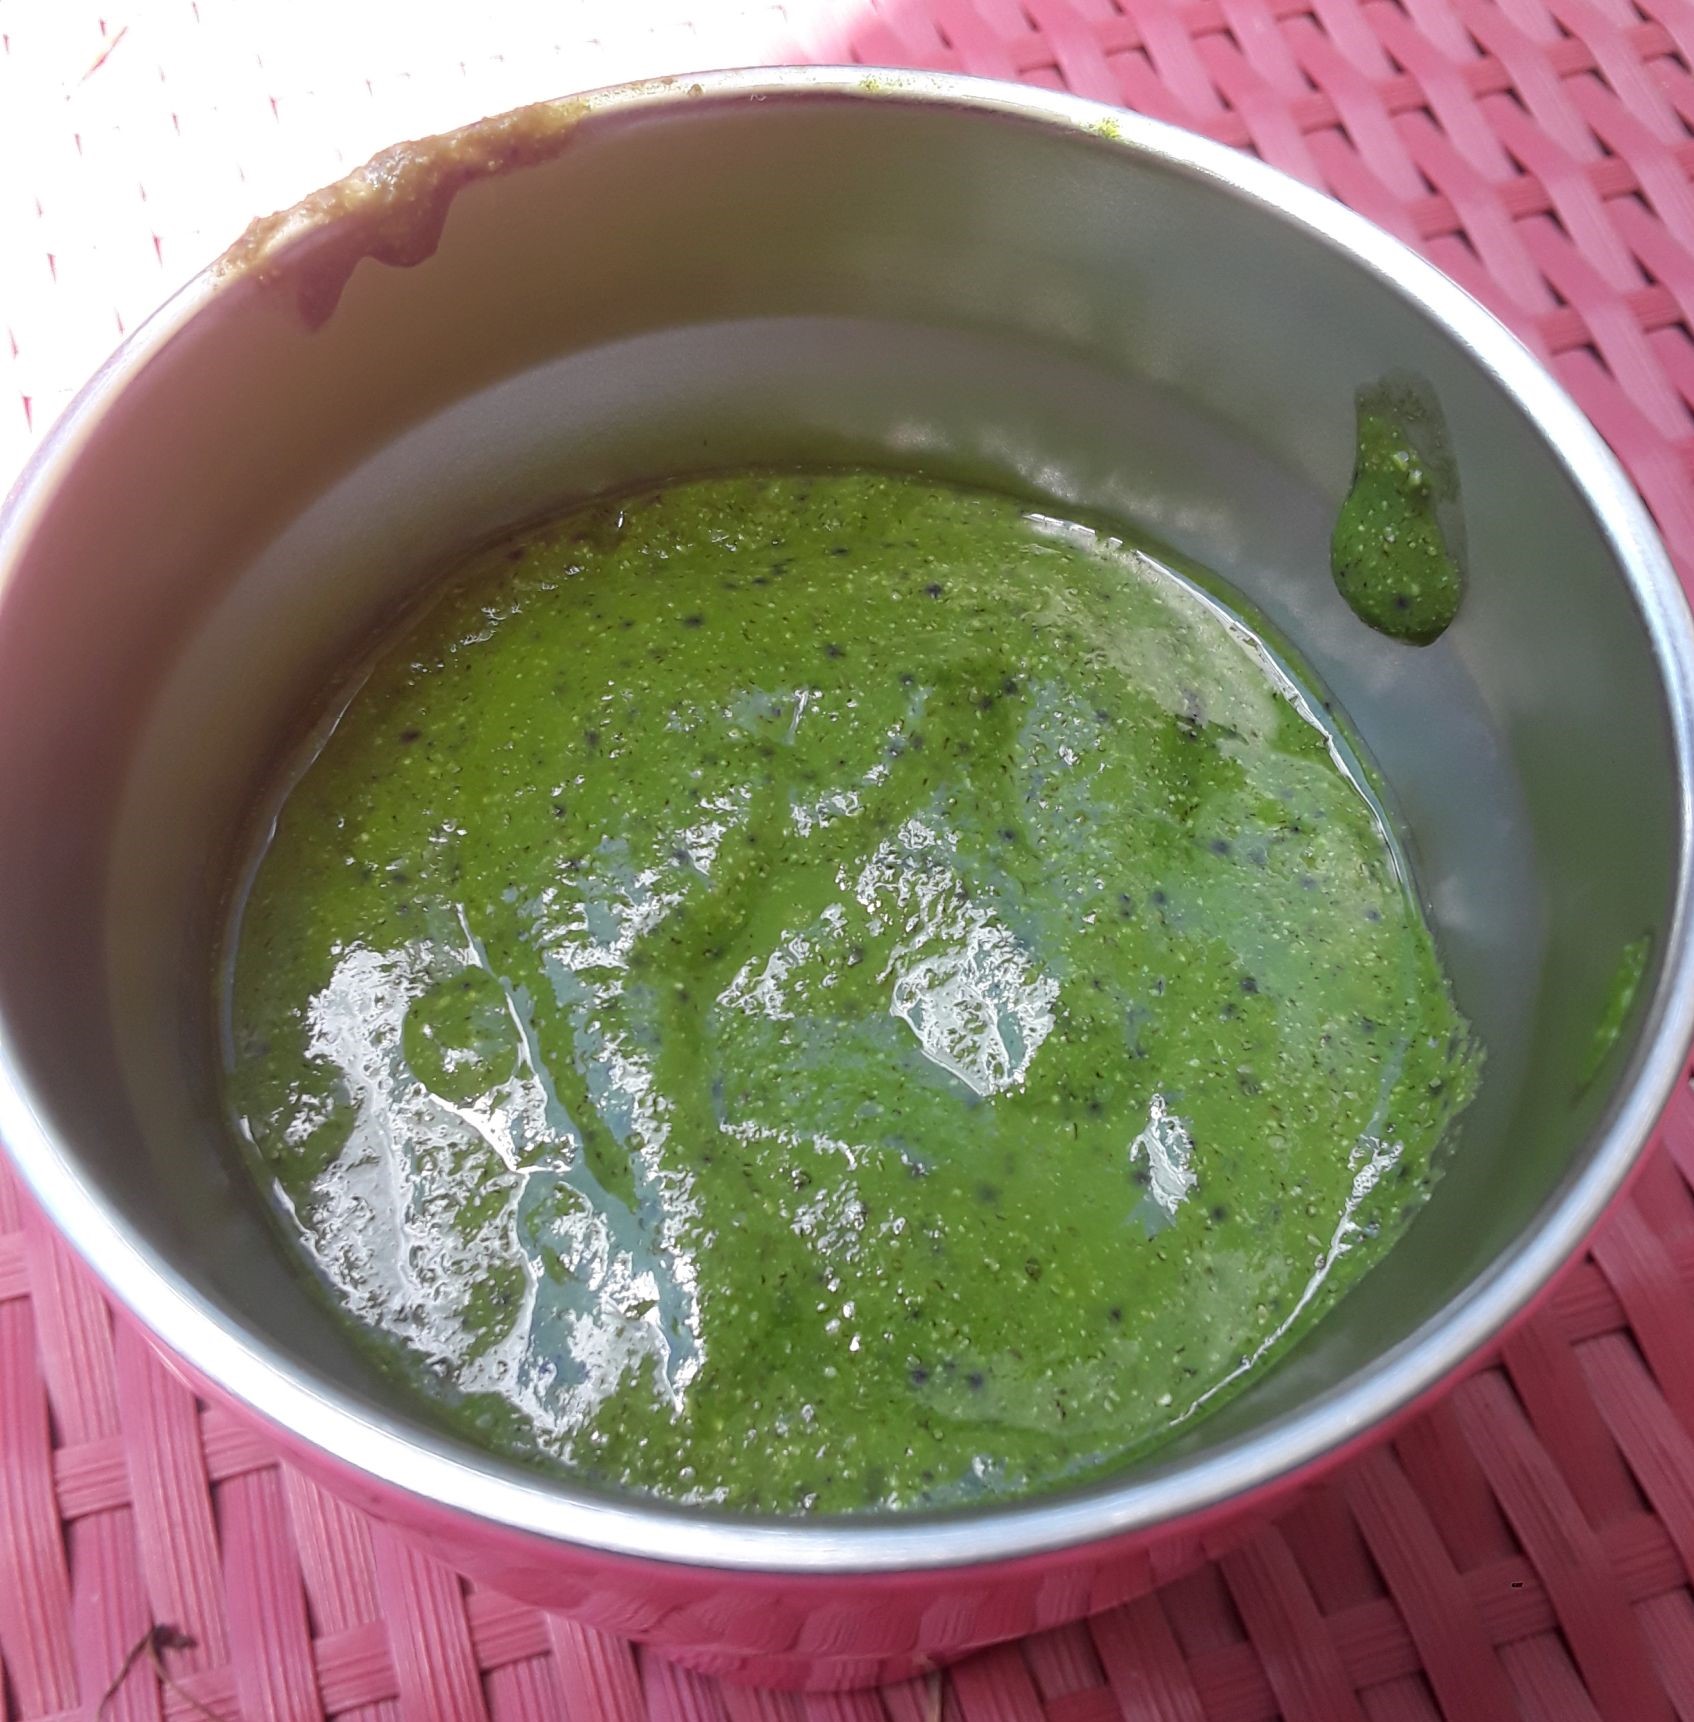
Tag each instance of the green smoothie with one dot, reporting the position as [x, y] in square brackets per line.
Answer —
[829, 992]
[1396, 552]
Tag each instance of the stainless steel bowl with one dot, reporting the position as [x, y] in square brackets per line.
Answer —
[987, 282]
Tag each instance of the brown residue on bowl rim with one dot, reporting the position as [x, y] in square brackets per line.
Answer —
[392, 208]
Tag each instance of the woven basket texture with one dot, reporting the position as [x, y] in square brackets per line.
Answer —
[1524, 1549]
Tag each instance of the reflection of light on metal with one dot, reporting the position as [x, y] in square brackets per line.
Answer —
[914, 436]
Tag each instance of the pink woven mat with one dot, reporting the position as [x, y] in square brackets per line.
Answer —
[1527, 1548]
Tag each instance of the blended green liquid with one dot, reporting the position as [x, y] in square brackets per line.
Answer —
[824, 993]
[1619, 1001]
[1395, 551]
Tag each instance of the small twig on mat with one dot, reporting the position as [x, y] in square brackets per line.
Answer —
[150, 1645]
[136, 1651]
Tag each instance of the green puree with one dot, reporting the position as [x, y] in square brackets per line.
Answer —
[1619, 1000]
[832, 992]
[1395, 549]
